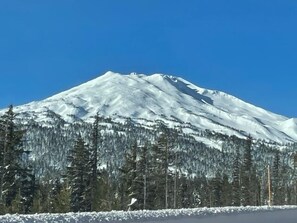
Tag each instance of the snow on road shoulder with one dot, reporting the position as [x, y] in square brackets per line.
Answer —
[135, 216]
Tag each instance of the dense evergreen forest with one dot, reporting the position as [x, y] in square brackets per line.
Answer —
[103, 166]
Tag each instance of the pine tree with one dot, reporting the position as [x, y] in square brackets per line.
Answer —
[203, 192]
[41, 202]
[54, 196]
[226, 196]
[236, 192]
[147, 178]
[143, 178]
[12, 167]
[131, 182]
[216, 185]
[247, 173]
[255, 188]
[64, 199]
[36, 207]
[79, 175]
[160, 164]
[276, 180]
[27, 189]
[176, 176]
[15, 206]
[104, 192]
[185, 193]
[59, 197]
[94, 181]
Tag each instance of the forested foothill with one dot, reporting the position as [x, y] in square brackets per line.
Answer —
[105, 165]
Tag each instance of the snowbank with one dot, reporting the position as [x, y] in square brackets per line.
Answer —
[135, 216]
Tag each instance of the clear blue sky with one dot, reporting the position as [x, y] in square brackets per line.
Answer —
[245, 48]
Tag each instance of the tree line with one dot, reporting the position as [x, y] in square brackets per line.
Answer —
[151, 176]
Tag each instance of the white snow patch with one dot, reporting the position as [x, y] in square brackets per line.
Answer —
[138, 216]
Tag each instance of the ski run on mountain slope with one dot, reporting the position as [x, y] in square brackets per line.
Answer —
[174, 100]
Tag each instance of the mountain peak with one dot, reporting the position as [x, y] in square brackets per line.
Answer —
[110, 74]
[177, 102]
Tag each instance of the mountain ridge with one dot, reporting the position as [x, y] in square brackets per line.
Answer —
[174, 100]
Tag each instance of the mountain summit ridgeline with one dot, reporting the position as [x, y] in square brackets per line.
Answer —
[177, 102]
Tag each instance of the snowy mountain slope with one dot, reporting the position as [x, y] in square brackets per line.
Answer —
[171, 99]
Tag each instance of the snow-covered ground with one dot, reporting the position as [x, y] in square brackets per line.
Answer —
[277, 214]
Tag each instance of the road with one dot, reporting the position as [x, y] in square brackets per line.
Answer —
[279, 216]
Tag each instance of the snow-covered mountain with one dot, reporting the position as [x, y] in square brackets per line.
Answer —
[174, 100]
